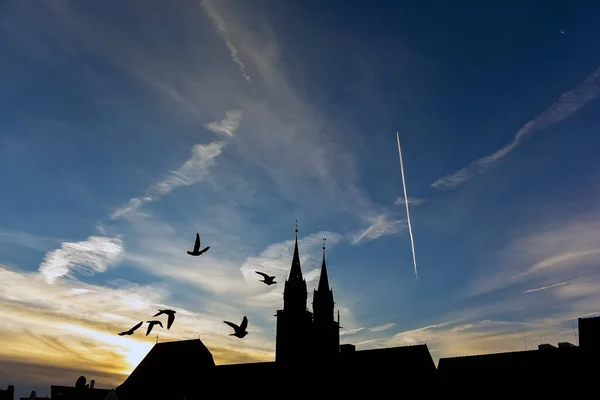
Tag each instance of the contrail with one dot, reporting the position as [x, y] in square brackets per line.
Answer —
[412, 239]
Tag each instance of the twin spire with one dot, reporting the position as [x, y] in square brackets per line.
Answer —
[296, 270]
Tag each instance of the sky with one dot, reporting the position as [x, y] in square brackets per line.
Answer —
[127, 127]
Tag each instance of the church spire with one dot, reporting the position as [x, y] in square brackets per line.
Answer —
[323, 279]
[296, 270]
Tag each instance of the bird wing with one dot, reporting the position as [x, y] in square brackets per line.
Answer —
[231, 324]
[170, 320]
[262, 274]
[197, 243]
[150, 326]
[158, 313]
[244, 324]
[136, 327]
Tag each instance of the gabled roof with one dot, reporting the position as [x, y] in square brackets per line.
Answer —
[169, 365]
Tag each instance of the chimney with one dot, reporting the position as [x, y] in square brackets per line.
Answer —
[546, 346]
[347, 348]
[92, 383]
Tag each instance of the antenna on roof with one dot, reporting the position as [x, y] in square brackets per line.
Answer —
[574, 334]
[157, 338]
[524, 340]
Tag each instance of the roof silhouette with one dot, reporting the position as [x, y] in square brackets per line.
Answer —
[174, 366]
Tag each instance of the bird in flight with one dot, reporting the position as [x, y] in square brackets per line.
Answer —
[240, 331]
[130, 332]
[171, 315]
[197, 251]
[269, 280]
[151, 325]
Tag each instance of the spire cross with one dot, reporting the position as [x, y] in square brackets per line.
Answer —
[296, 225]
[324, 239]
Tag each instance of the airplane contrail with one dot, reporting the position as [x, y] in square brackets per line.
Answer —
[410, 233]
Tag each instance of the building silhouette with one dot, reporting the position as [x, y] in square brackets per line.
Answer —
[8, 393]
[302, 336]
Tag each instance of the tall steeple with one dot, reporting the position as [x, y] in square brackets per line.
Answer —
[296, 270]
[326, 330]
[323, 279]
[323, 296]
[295, 294]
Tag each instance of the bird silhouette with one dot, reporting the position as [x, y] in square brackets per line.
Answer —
[130, 332]
[240, 331]
[171, 315]
[197, 251]
[269, 280]
[151, 325]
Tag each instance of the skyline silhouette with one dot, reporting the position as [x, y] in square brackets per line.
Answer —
[312, 340]
[130, 131]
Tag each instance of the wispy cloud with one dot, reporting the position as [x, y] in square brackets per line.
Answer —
[221, 28]
[539, 289]
[412, 201]
[227, 126]
[382, 328]
[91, 256]
[194, 170]
[351, 331]
[380, 226]
[566, 105]
[560, 250]
[42, 320]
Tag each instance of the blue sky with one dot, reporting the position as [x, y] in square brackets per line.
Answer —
[127, 128]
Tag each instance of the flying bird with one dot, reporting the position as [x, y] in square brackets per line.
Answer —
[269, 280]
[240, 331]
[197, 251]
[171, 315]
[151, 325]
[130, 332]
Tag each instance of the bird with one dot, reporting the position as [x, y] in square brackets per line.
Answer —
[171, 315]
[269, 280]
[130, 332]
[240, 331]
[151, 325]
[197, 251]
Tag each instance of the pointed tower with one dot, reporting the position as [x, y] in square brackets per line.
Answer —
[294, 323]
[295, 294]
[326, 330]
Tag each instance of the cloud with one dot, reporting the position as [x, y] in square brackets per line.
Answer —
[351, 331]
[28, 240]
[75, 323]
[565, 259]
[131, 206]
[91, 256]
[228, 125]
[412, 201]
[552, 251]
[566, 105]
[382, 328]
[194, 170]
[548, 287]
[380, 226]
[221, 28]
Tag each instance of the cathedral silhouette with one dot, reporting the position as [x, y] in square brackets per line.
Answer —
[303, 336]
